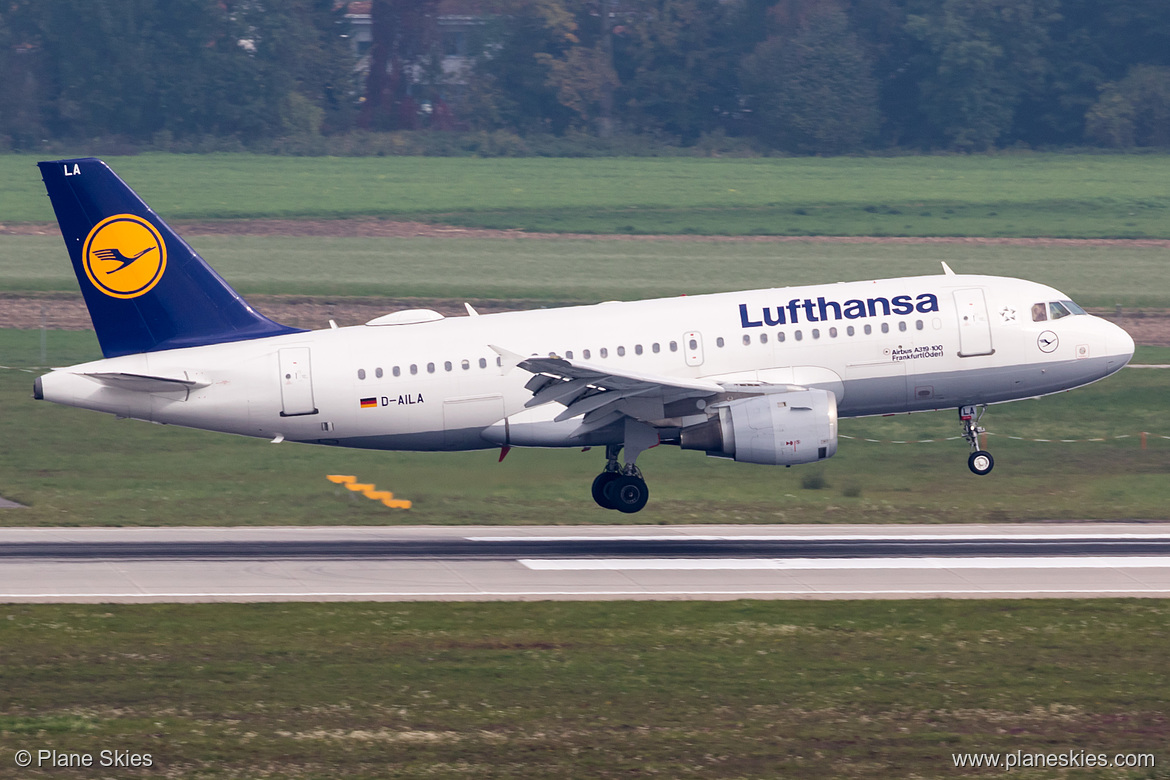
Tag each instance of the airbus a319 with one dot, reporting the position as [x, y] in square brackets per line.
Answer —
[760, 376]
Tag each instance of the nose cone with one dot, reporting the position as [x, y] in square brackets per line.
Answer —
[1120, 346]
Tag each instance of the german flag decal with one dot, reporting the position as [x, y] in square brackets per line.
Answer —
[369, 403]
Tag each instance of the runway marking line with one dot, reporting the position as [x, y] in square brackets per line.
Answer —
[833, 564]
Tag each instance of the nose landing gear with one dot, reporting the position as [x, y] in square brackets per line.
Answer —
[980, 462]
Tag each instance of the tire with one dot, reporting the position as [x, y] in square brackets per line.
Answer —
[627, 494]
[599, 484]
[981, 462]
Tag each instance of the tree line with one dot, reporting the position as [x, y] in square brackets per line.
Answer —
[796, 76]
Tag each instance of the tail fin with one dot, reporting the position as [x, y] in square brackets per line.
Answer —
[146, 289]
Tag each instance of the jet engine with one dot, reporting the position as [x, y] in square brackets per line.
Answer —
[778, 429]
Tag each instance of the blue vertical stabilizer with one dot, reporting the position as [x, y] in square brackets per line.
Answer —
[146, 289]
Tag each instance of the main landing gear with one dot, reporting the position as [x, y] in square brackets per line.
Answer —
[980, 462]
[622, 487]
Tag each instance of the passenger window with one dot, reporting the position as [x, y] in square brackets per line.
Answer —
[430, 368]
[447, 366]
[763, 338]
[885, 327]
[396, 371]
[902, 325]
[585, 353]
[361, 373]
[816, 333]
[692, 344]
[483, 362]
[1039, 312]
[918, 324]
[378, 373]
[603, 352]
[655, 348]
[621, 351]
[1057, 310]
[832, 333]
[718, 342]
[637, 349]
[868, 330]
[465, 365]
[799, 336]
[569, 354]
[413, 368]
[850, 331]
[747, 340]
[674, 346]
[780, 336]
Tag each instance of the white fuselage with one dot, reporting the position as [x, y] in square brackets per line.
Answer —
[882, 347]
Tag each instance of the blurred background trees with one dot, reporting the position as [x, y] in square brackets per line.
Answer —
[798, 76]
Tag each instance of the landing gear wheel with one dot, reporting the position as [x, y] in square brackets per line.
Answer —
[628, 493]
[981, 462]
[599, 484]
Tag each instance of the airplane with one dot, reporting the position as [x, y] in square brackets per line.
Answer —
[760, 376]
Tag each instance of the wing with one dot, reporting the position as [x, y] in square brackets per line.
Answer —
[604, 395]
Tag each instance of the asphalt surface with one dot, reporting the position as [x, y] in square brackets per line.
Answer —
[593, 562]
[486, 548]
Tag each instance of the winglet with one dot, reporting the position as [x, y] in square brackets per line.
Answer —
[947, 269]
[470, 311]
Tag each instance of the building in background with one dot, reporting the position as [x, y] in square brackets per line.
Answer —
[425, 59]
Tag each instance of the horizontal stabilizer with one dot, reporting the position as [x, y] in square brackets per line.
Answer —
[144, 384]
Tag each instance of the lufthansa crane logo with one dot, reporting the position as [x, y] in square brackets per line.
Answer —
[124, 256]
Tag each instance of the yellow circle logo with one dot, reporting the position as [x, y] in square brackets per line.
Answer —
[124, 256]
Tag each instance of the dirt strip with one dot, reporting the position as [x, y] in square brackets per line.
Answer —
[373, 227]
[66, 311]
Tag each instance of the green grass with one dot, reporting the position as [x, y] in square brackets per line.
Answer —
[83, 468]
[1000, 195]
[599, 690]
[585, 271]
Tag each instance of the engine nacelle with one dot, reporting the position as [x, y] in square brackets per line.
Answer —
[779, 429]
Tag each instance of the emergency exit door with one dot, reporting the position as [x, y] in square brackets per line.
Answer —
[296, 382]
[693, 348]
[974, 325]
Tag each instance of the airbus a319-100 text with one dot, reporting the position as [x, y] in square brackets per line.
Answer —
[760, 376]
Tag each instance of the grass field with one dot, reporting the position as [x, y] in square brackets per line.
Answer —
[83, 468]
[1002, 195]
[587, 271]
[603, 690]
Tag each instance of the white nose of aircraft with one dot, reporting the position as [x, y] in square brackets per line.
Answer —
[1119, 345]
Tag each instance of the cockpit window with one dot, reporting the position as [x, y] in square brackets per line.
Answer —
[1054, 310]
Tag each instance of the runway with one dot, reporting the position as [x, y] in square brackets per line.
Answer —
[150, 565]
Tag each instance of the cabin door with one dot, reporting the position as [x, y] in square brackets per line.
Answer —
[296, 382]
[974, 326]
